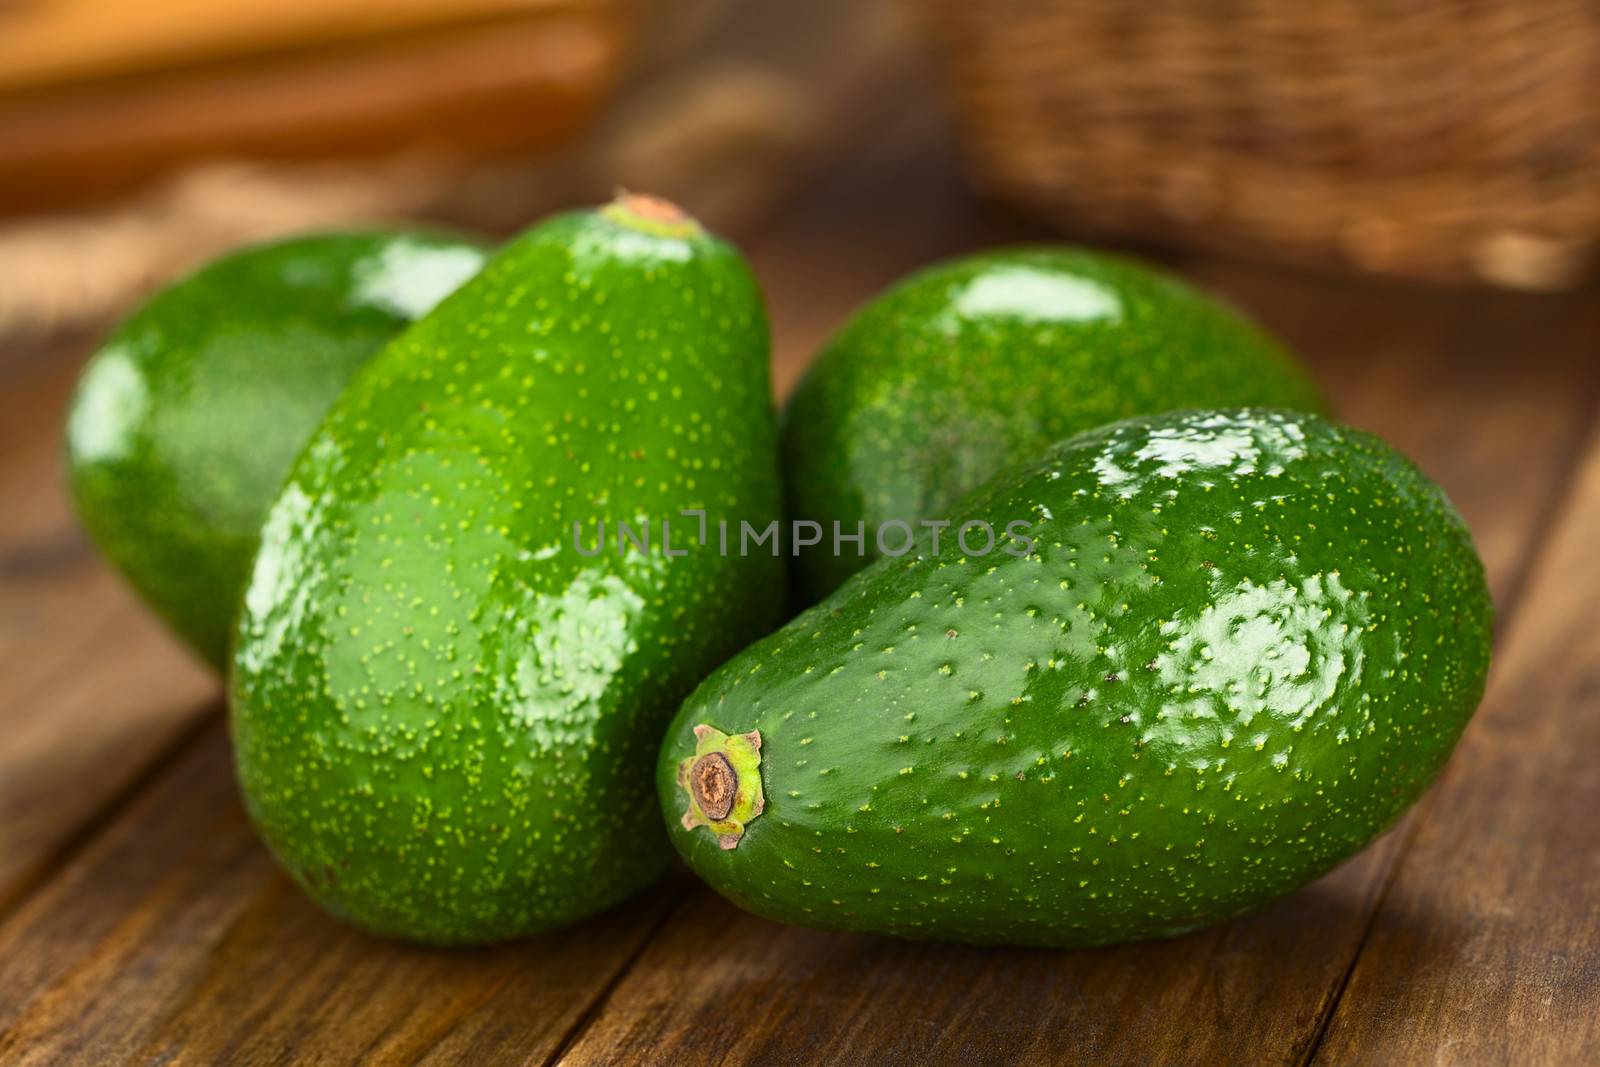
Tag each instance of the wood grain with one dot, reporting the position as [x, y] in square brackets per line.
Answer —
[1487, 948]
[175, 939]
[92, 690]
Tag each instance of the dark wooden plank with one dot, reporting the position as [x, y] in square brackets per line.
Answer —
[1487, 948]
[1427, 371]
[174, 938]
[92, 690]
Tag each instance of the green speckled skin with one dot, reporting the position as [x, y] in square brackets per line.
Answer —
[445, 716]
[188, 417]
[979, 363]
[1242, 644]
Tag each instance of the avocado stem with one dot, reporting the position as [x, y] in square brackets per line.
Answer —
[650, 214]
[715, 784]
[723, 783]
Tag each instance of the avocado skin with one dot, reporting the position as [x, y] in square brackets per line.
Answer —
[445, 717]
[982, 362]
[1244, 643]
[187, 418]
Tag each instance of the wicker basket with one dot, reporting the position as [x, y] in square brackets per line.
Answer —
[1444, 140]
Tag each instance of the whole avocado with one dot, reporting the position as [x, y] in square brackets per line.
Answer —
[981, 362]
[1228, 649]
[187, 418]
[446, 702]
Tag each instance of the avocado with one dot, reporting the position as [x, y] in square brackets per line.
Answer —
[1217, 653]
[982, 362]
[453, 665]
[187, 418]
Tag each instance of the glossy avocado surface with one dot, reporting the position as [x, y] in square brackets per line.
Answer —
[187, 418]
[1228, 649]
[447, 697]
[981, 362]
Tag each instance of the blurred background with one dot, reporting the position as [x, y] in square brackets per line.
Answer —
[1439, 143]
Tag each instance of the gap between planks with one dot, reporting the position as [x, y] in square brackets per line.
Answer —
[1586, 443]
[187, 739]
[1488, 943]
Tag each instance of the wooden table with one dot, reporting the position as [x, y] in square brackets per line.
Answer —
[141, 921]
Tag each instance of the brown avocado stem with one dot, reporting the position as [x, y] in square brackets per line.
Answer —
[650, 214]
[715, 784]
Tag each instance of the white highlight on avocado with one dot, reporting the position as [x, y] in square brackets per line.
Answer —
[277, 598]
[575, 643]
[410, 277]
[113, 400]
[1227, 443]
[1023, 292]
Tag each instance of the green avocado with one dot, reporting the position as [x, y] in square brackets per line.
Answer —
[448, 690]
[188, 417]
[982, 362]
[1217, 653]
